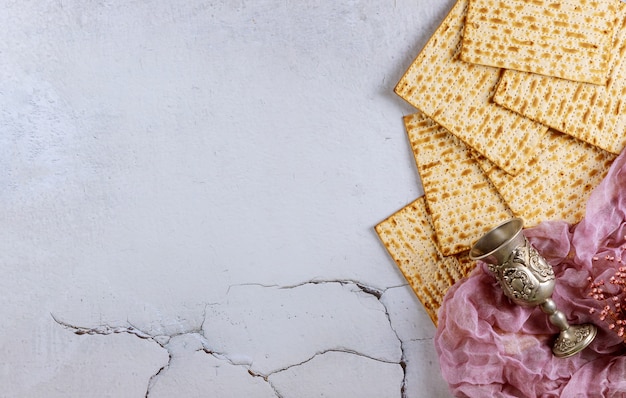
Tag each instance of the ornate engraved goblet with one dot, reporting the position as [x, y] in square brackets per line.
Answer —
[528, 280]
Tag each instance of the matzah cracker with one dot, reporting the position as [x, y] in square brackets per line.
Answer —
[558, 182]
[594, 114]
[457, 95]
[462, 201]
[570, 39]
[409, 238]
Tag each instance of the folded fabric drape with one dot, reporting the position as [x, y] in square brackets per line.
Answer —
[488, 346]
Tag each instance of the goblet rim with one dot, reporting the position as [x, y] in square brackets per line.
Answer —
[476, 244]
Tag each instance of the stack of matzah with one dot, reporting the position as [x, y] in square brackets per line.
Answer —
[521, 109]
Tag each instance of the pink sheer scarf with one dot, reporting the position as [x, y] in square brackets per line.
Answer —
[489, 347]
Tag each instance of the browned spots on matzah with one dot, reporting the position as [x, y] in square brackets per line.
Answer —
[462, 201]
[458, 96]
[592, 113]
[410, 239]
[569, 39]
[558, 184]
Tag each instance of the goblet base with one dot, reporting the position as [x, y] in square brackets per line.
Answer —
[573, 340]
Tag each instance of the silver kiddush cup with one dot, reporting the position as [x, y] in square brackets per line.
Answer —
[528, 280]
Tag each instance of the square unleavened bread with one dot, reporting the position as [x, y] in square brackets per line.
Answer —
[592, 113]
[558, 182]
[410, 239]
[458, 96]
[462, 201]
[570, 39]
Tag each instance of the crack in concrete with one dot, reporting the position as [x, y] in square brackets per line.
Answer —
[153, 379]
[323, 352]
[163, 340]
[376, 292]
[367, 289]
[266, 377]
[223, 357]
[379, 294]
[105, 330]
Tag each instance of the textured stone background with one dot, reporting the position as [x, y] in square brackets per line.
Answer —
[188, 195]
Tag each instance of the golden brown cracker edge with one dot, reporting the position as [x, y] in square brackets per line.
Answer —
[410, 240]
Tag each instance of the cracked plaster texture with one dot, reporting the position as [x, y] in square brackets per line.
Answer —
[188, 197]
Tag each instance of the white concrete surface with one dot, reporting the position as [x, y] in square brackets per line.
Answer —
[188, 195]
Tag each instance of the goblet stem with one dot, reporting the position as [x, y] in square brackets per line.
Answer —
[572, 339]
[557, 318]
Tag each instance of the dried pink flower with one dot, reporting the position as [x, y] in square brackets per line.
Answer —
[611, 309]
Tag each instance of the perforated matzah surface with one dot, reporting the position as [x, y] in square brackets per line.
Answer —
[458, 96]
[463, 203]
[409, 238]
[558, 182]
[594, 114]
[570, 39]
